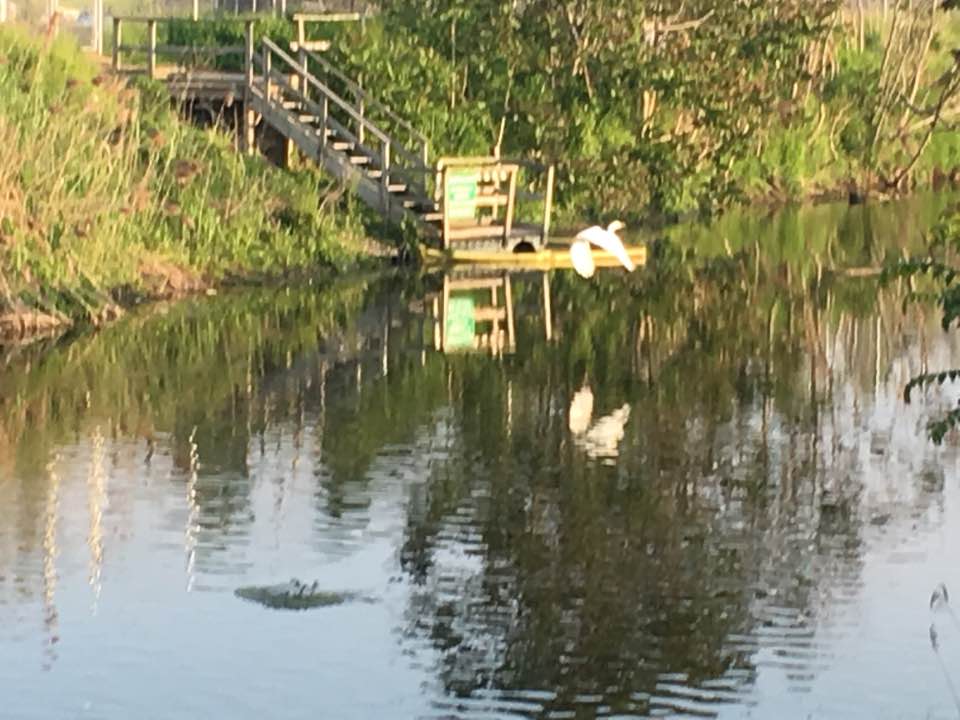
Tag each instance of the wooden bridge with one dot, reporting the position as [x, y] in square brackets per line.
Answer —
[328, 118]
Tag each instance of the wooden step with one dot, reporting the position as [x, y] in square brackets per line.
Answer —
[412, 202]
[291, 104]
[342, 145]
[360, 159]
[396, 188]
[431, 217]
[310, 119]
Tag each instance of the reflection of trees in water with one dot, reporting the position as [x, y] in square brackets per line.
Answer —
[733, 522]
[185, 381]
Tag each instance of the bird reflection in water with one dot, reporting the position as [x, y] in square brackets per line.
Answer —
[600, 438]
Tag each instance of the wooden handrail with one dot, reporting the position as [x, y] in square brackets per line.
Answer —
[360, 93]
[329, 93]
[329, 17]
[186, 49]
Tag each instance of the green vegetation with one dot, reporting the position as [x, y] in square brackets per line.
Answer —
[106, 196]
[647, 111]
[682, 105]
[670, 107]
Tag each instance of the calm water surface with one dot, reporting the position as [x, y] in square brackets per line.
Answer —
[678, 494]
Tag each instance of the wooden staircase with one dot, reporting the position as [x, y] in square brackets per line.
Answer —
[330, 119]
[385, 172]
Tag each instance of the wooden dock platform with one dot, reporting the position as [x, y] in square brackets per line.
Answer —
[554, 256]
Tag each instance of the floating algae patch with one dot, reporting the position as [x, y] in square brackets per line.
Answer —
[295, 595]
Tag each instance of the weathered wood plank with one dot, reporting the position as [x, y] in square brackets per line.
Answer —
[487, 314]
[184, 50]
[328, 17]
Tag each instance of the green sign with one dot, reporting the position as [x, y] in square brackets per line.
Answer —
[461, 193]
[461, 325]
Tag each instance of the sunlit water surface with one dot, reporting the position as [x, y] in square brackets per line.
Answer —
[667, 495]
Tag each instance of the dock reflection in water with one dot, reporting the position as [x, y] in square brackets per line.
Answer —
[662, 495]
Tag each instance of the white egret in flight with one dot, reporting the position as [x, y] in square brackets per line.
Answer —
[604, 238]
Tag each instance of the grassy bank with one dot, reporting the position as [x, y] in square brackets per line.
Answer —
[106, 197]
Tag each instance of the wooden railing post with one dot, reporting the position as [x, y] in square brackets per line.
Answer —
[152, 49]
[248, 53]
[443, 208]
[511, 205]
[117, 42]
[324, 118]
[385, 178]
[548, 205]
[195, 13]
[303, 57]
[361, 106]
[249, 119]
[97, 25]
[267, 69]
[425, 153]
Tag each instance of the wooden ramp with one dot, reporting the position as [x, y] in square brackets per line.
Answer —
[454, 203]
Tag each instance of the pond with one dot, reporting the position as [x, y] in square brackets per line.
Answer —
[691, 491]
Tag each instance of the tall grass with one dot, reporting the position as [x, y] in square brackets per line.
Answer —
[102, 188]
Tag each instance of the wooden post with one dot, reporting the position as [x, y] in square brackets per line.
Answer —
[3, 11]
[547, 310]
[446, 309]
[548, 205]
[152, 49]
[117, 42]
[435, 306]
[443, 206]
[324, 119]
[508, 301]
[97, 26]
[304, 60]
[267, 69]
[511, 206]
[385, 178]
[361, 106]
[283, 8]
[253, 6]
[249, 117]
[195, 15]
[425, 153]
[248, 53]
